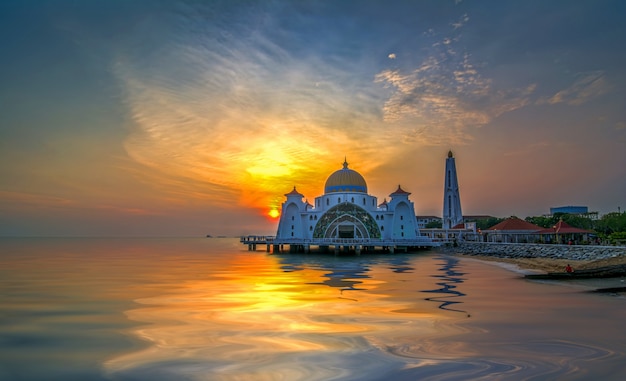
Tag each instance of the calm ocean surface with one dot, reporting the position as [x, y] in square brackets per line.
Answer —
[208, 309]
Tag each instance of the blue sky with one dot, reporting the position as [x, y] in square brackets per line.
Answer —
[186, 117]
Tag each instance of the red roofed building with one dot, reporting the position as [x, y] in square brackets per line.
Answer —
[514, 224]
[512, 230]
[563, 233]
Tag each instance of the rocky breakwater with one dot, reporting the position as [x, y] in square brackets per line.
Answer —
[524, 250]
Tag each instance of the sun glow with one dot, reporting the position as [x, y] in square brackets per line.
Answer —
[273, 213]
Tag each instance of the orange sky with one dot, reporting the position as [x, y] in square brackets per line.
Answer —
[196, 119]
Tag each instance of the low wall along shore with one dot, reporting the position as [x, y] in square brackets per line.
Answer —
[525, 250]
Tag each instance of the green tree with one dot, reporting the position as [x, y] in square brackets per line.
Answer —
[571, 219]
[434, 225]
[578, 221]
[611, 223]
[543, 221]
[486, 223]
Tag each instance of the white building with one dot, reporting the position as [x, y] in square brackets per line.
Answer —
[345, 215]
[422, 221]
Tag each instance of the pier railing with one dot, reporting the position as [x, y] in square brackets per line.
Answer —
[269, 240]
[257, 239]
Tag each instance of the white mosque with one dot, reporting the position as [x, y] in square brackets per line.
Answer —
[346, 217]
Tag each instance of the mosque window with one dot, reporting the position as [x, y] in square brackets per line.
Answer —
[311, 227]
[310, 217]
[401, 218]
[293, 218]
[292, 234]
[352, 200]
[338, 200]
[316, 218]
[402, 227]
[363, 201]
[402, 234]
[291, 227]
[382, 217]
[327, 202]
[377, 217]
[382, 228]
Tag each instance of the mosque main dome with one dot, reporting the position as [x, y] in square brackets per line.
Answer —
[345, 180]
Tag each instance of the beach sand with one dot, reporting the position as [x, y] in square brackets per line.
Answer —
[552, 265]
[548, 265]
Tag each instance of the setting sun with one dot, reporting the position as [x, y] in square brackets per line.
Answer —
[273, 213]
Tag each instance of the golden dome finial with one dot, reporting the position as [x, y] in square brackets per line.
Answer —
[345, 162]
[450, 155]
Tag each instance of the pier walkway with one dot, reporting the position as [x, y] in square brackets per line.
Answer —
[337, 245]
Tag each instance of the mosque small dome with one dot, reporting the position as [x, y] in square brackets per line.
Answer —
[345, 180]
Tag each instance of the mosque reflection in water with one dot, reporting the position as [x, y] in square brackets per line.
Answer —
[448, 282]
[348, 273]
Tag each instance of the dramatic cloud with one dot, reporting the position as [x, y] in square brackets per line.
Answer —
[125, 118]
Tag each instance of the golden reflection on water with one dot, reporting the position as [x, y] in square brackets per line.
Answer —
[257, 310]
[198, 309]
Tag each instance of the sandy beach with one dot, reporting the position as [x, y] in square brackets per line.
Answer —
[614, 285]
[552, 265]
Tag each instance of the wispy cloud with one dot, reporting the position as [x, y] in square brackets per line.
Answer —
[586, 87]
[446, 95]
[244, 114]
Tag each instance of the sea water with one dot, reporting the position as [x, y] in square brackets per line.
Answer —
[208, 309]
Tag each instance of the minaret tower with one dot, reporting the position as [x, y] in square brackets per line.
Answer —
[452, 214]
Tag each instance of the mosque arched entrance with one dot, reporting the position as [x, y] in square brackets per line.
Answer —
[346, 220]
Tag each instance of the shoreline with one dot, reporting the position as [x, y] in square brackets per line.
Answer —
[540, 268]
[536, 261]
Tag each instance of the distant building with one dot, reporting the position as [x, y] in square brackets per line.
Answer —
[452, 214]
[569, 210]
[582, 211]
[476, 217]
[422, 221]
